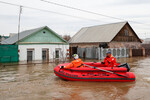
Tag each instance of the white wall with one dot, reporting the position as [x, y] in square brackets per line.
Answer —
[38, 51]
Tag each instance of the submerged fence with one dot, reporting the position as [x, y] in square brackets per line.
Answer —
[100, 53]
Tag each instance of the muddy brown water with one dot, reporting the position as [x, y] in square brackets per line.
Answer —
[38, 82]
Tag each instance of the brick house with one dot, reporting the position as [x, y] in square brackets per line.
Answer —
[113, 35]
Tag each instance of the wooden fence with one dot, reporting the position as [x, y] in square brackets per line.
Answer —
[137, 52]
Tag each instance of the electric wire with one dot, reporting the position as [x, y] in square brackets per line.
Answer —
[91, 12]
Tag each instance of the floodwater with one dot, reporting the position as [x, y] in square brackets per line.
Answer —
[38, 82]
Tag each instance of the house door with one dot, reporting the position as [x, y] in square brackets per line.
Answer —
[29, 55]
[57, 54]
[73, 50]
[44, 54]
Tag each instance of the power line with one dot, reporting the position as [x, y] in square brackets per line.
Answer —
[68, 14]
[43, 10]
[80, 9]
[10, 3]
[90, 12]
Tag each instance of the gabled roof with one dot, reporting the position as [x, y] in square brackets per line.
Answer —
[100, 33]
[26, 33]
[4, 37]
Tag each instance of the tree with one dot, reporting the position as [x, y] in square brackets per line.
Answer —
[67, 37]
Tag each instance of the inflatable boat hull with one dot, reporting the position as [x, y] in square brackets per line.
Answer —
[91, 74]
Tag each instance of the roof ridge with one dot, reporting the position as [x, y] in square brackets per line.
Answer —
[106, 24]
[27, 33]
[16, 35]
[99, 33]
[33, 29]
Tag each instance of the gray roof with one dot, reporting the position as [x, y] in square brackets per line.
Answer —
[24, 34]
[100, 33]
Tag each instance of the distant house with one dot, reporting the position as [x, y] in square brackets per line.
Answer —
[146, 41]
[12, 34]
[39, 44]
[113, 35]
[3, 38]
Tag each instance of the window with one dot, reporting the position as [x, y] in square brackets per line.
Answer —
[44, 54]
[57, 52]
[44, 32]
[126, 32]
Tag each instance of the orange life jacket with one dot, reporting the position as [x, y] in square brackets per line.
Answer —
[75, 64]
[110, 61]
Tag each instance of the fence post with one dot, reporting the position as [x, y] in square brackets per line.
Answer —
[124, 52]
[143, 51]
[85, 53]
[120, 55]
[101, 53]
[130, 52]
[98, 50]
[116, 52]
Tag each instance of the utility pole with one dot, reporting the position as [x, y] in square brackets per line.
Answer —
[20, 10]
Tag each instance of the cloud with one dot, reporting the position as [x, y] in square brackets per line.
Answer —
[135, 10]
[8, 17]
[130, 2]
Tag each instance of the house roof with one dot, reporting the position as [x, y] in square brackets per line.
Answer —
[4, 37]
[100, 33]
[26, 33]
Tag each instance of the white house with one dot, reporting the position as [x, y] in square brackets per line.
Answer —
[39, 44]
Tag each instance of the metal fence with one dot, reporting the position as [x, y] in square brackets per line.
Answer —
[9, 53]
[100, 53]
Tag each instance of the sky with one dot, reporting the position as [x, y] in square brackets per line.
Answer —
[66, 21]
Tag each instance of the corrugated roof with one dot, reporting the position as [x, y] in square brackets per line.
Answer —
[24, 34]
[100, 33]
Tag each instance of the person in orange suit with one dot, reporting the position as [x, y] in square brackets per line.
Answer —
[109, 60]
[76, 63]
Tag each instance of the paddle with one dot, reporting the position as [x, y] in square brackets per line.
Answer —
[125, 65]
[105, 70]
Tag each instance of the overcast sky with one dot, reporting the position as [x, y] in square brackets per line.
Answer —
[129, 10]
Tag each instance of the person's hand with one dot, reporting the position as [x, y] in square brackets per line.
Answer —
[102, 62]
[61, 66]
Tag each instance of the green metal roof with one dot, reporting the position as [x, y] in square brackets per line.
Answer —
[27, 33]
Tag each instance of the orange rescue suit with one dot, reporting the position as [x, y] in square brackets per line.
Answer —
[110, 61]
[75, 64]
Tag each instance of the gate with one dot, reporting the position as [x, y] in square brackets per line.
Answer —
[147, 52]
[9, 53]
[137, 52]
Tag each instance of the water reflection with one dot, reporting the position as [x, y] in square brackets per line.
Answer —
[36, 82]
